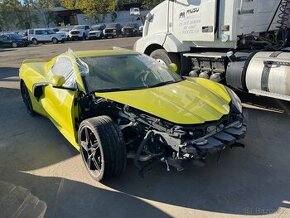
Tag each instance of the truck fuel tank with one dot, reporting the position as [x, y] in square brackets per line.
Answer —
[263, 73]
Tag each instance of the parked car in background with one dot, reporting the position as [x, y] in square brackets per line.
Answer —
[65, 31]
[130, 29]
[141, 30]
[113, 30]
[79, 32]
[97, 31]
[44, 35]
[21, 33]
[12, 40]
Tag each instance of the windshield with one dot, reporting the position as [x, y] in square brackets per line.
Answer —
[112, 25]
[64, 30]
[96, 28]
[14, 36]
[126, 72]
[130, 25]
[50, 31]
[79, 27]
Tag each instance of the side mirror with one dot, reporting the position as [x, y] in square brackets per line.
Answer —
[172, 67]
[57, 81]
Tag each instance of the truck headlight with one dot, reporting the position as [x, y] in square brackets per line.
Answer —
[235, 100]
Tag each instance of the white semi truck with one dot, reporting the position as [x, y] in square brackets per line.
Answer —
[242, 43]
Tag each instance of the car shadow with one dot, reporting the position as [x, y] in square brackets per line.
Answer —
[266, 103]
[59, 197]
[6, 49]
[250, 181]
[7, 72]
[32, 143]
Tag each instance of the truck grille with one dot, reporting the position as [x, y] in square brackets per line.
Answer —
[109, 31]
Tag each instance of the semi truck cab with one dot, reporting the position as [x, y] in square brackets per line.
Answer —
[217, 40]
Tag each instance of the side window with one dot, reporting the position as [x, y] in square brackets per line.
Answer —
[38, 32]
[64, 67]
[30, 32]
[87, 27]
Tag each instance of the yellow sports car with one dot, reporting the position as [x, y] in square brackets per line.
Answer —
[117, 104]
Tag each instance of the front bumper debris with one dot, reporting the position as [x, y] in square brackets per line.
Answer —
[216, 140]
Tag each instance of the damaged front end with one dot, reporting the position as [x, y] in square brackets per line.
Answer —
[177, 145]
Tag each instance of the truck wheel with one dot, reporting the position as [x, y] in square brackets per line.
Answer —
[102, 147]
[34, 41]
[166, 58]
[54, 40]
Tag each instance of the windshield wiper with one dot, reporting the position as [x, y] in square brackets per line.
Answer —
[118, 89]
[163, 83]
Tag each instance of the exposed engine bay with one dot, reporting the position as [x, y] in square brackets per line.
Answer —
[149, 139]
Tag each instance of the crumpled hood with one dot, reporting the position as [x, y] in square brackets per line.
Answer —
[192, 101]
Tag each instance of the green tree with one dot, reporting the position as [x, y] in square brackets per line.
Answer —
[149, 4]
[45, 7]
[28, 15]
[10, 11]
[92, 8]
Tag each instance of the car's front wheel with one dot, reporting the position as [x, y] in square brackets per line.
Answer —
[102, 147]
[34, 41]
[54, 40]
[26, 98]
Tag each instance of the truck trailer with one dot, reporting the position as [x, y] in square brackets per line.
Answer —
[241, 43]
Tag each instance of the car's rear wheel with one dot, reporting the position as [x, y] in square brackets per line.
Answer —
[26, 98]
[102, 147]
[34, 41]
[14, 45]
[54, 40]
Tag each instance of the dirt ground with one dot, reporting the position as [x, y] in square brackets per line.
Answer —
[42, 175]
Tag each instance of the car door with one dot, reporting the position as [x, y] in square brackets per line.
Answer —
[2, 41]
[47, 35]
[39, 35]
[58, 102]
[5, 42]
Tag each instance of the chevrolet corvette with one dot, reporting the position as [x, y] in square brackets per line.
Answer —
[114, 105]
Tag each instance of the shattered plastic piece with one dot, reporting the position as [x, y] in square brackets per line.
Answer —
[83, 67]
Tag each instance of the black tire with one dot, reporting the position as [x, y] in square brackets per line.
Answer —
[54, 40]
[167, 58]
[14, 45]
[26, 98]
[102, 147]
[34, 41]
